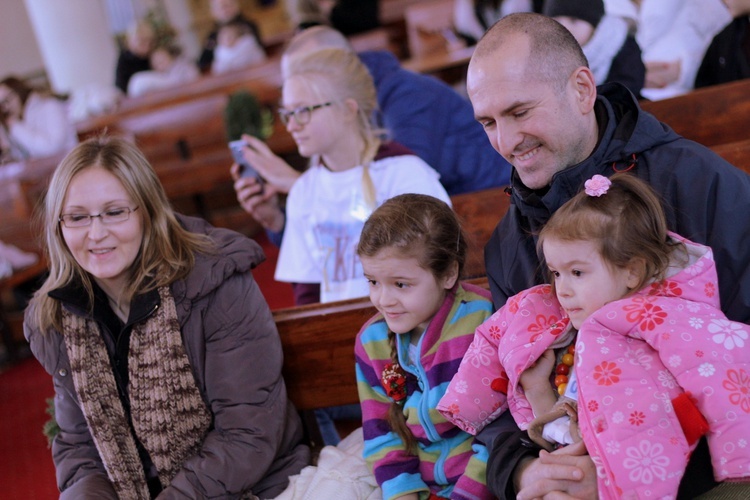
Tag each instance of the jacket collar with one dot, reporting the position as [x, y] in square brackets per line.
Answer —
[73, 297]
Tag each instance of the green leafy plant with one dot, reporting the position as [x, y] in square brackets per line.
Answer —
[245, 115]
[50, 428]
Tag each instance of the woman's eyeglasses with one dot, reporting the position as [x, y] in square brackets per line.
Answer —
[302, 115]
[111, 216]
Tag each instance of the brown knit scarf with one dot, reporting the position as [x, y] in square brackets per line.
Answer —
[162, 391]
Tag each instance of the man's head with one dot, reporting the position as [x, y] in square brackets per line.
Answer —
[310, 40]
[225, 10]
[533, 92]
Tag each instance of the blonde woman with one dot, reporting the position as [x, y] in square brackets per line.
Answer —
[165, 359]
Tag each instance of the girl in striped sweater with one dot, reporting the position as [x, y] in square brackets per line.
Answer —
[412, 252]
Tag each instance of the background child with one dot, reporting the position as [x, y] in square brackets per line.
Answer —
[412, 251]
[236, 47]
[170, 69]
[646, 307]
[612, 51]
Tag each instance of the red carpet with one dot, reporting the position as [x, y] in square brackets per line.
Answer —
[277, 294]
[26, 468]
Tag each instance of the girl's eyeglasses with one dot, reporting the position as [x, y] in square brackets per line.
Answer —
[302, 115]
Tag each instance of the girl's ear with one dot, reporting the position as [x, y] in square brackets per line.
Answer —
[352, 107]
[451, 277]
[636, 269]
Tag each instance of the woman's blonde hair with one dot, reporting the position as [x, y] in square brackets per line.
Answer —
[337, 75]
[167, 250]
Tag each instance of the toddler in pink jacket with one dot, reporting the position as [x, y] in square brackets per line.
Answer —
[631, 333]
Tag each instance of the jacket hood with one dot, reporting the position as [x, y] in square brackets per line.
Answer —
[625, 132]
[692, 271]
[234, 253]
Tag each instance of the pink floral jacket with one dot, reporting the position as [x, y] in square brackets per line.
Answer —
[633, 358]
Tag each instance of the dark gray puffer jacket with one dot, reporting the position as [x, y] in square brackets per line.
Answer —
[254, 444]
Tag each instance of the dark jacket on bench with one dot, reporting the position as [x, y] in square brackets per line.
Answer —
[705, 199]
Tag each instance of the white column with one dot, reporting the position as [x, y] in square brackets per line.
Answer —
[181, 19]
[75, 42]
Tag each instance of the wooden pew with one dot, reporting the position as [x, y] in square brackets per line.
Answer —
[736, 153]
[260, 78]
[479, 213]
[711, 116]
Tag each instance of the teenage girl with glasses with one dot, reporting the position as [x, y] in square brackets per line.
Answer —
[328, 100]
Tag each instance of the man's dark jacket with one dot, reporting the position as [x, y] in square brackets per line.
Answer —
[705, 199]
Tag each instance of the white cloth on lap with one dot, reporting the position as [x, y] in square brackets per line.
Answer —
[341, 473]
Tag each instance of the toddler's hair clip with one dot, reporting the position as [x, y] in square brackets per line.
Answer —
[597, 185]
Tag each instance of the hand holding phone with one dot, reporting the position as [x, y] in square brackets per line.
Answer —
[246, 170]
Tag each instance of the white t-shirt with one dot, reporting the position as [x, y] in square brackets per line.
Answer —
[325, 213]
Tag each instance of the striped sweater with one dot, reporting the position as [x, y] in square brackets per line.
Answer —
[449, 463]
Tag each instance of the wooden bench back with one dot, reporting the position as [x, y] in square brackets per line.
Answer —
[711, 116]
[736, 153]
[479, 213]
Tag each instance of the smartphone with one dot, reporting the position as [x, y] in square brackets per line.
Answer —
[246, 170]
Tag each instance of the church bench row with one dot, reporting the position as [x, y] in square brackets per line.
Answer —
[711, 116]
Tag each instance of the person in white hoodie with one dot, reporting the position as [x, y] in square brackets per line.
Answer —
[170, 69]
[612, 51]
[236, 48]
[674, 36]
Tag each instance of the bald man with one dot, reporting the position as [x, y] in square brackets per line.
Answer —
[536, 98]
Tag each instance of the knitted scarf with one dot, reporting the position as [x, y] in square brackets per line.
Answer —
[162, 391]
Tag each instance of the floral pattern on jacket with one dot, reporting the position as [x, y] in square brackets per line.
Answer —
[668, 339]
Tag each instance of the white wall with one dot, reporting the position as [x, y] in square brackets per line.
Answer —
[19, 51]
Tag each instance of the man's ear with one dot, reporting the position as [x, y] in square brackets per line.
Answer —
[451, 276]
[584, 86]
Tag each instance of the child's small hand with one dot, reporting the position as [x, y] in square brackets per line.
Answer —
[538, 374]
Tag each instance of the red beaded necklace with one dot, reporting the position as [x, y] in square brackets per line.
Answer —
[562, 370]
